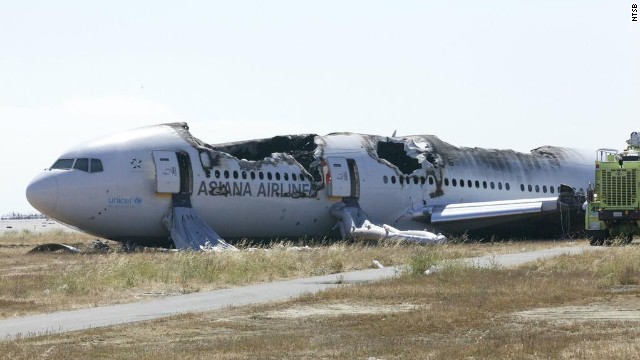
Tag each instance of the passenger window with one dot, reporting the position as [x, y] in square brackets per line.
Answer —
[493, 185]
[294, 177]
[235, 174]
[82, 164]
[446, 181]
[385, 179]
[552, 189]
[393, 179]
[269, 176]
[96, 166]
[261, 175]
[537, 188]
[461, 183]
[244, 174]
[253, 175]
[216, 174]
[499, 185]
[277, 176]
[415, 180]
[544, 189]
[507, 186]
[522, 187]
[454, 182]
[401, 178]
[477, 184]
[226, 174]
[484, 184]
[530, 188]
[469, 183]
[64, 164]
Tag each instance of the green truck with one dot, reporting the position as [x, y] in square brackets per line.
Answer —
[612, 213]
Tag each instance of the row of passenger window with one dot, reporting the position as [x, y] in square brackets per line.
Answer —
[83, 164]
[226, 174]
[468, 183]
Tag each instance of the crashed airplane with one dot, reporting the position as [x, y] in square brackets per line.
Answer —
[161, 186]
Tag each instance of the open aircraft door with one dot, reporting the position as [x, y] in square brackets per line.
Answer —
[167, 172]
[341, 177]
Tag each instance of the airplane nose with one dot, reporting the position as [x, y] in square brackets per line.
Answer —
[42, 193]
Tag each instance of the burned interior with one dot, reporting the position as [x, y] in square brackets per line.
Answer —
[300, 147]
[394, 153]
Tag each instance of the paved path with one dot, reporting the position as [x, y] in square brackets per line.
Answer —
[64, 321]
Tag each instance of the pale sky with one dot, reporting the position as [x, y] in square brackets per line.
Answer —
[499, 74]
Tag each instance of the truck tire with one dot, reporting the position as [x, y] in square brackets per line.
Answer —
[597, 237]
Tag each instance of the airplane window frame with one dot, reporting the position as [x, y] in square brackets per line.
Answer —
[96, 165]
[81, 164]
[64, 161]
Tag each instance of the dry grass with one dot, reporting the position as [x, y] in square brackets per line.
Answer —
[457, 313]
[37, 283]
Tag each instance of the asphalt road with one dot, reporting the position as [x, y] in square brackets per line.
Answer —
[64, 321]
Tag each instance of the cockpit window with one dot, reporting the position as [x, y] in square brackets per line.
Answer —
[82, 164]
[96, 165]
[64, 164]
[79, 164]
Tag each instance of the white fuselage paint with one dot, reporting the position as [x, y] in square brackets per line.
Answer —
[121, 201]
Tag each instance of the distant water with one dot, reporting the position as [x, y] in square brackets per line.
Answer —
[35, 225]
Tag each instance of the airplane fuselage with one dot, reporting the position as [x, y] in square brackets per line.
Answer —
[284, 187]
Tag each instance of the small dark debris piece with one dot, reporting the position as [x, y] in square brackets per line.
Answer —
[98, 246]
[54, 248]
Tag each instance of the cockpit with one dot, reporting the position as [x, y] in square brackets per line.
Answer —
[89, 165]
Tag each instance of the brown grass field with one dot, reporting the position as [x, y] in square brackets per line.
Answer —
[569, 307]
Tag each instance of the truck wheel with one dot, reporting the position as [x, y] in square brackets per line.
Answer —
[596, 237]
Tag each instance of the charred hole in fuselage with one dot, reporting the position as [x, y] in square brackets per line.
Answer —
[394, 153]
[300, 147]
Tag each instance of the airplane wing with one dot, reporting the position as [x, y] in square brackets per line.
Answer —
[436, 214]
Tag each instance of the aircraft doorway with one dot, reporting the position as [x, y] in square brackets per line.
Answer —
[342, 177]
[173, 172]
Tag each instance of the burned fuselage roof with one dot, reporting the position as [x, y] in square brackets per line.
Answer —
[300, 147]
